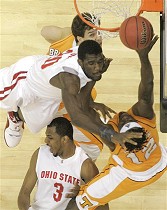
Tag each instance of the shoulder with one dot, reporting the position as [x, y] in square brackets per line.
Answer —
[35, 155]
[88, 165]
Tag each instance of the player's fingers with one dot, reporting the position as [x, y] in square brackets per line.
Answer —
[73, 192]
[108, 114]
[134, 135]
[131, 141]
[154, 40]
[112, 111]
[104, 116]
[69, 195]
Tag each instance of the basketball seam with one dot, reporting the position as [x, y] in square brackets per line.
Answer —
[149, 37]
[126, 33]
[137, 31]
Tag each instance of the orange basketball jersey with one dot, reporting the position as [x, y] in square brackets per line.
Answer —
[61, 45]
[145, 158]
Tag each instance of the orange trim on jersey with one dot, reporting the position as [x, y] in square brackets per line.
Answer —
[94, 139]
[148, 156]
[61, 45]
[124, 186]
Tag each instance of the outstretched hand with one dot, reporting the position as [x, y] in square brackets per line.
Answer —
[145, 51]
[105, 110]
[110, 137]
[122, 138]
[106, 64]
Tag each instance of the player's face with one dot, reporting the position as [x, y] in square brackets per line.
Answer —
[92, 34]
[124, 118]
[54, 141]
[92, 66]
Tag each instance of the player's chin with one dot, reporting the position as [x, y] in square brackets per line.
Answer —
[97, 78]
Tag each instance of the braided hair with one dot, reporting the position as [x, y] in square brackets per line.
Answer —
[141, 142]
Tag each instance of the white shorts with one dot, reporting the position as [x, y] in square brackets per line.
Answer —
[115, 181]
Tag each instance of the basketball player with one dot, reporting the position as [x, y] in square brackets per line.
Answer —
[93, 144]
[138, 165]
[55, 167]
[62, 39]
[38, 84]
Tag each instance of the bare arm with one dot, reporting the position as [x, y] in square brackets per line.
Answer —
[28, 184]
[88, 165]
[144, 106]
[77, 104]
[88, 171]
[54, 33]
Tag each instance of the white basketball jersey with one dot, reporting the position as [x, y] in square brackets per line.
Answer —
[26, 84]
[47, 67]
[55, 178]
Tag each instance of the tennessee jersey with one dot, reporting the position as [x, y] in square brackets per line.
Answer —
[61, 45]
[145, 158]
[126, 172]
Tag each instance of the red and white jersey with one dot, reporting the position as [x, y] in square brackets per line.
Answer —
[26, 84]
[56, 177]
[47, 67]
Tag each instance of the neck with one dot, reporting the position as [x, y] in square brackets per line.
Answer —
[68, 151]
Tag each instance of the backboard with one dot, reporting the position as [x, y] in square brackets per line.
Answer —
[163, 69]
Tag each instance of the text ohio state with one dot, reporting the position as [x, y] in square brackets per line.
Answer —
[59, 176]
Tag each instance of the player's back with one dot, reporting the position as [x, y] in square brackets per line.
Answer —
[45, 68]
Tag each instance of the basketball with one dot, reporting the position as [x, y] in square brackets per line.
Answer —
[136, 32]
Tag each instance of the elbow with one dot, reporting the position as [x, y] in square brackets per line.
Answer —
[77, 119]
[43, 31]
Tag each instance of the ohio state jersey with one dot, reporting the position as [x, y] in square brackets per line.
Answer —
[27, 85]
[56, 177]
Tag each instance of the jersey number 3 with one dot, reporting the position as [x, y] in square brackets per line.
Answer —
[59, 190]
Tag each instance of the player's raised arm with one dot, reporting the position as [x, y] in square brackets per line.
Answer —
[144, 106]
[54, 33]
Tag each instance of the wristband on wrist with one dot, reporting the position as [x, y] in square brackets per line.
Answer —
[106, 133]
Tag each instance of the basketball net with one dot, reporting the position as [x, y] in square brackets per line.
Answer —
[112, 13]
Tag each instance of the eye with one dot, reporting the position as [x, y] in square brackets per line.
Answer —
[92, 35]
[50, 138]
[101, 61]
[98, 33]
[91, 63]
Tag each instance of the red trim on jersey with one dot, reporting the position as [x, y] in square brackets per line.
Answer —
[16, 77]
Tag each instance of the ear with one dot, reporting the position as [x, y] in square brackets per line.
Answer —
[65, 139]
[80, 62]
[80, 39]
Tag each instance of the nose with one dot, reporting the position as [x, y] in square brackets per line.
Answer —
[97, 68]
[99, 37]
